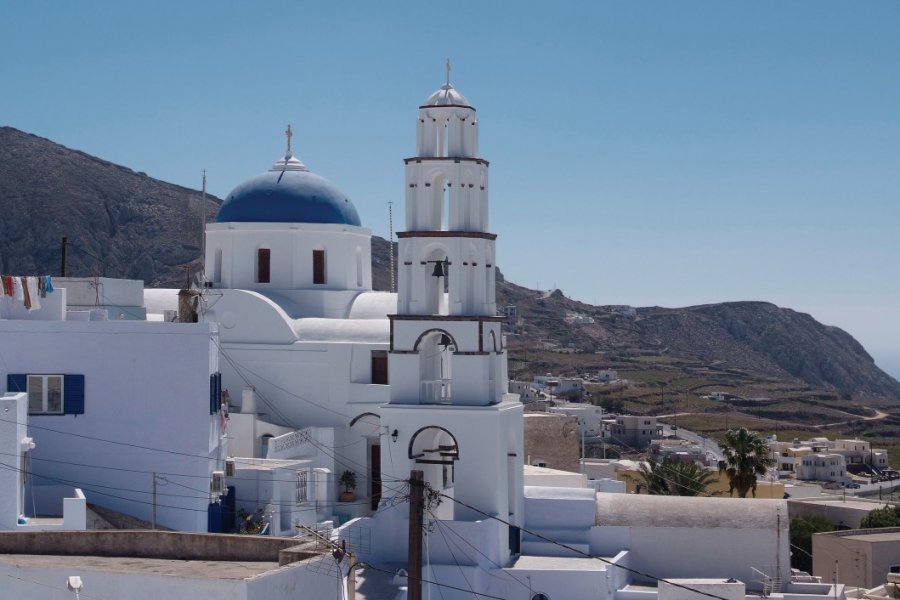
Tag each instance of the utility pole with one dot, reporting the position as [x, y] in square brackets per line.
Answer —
[416, 510]
[62, 263]
[391, 242]
[153, 517]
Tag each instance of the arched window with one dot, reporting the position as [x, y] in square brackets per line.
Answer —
[436, 348]
[263, 265]
[359, 267]
[264, 444]
[319, 272]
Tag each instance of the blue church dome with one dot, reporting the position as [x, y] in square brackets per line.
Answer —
[288, 193]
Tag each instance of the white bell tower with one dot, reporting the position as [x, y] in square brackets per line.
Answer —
[450, 412]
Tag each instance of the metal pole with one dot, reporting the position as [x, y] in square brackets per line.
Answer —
[62, 264]
[416, 510]
[391, 242]
[153, 516]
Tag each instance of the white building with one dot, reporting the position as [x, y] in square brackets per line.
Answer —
[855, 456]
[303, 339]
[15, 444]
[560, 386]
[632, 431]
[110, 403]
[822, 466]
[590, 419]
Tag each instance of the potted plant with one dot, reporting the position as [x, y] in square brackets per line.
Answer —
[348, 480]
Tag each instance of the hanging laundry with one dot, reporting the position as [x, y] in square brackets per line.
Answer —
[26, 296]
[18, 292]
[6, 281]
[47, 285]
[34, 295]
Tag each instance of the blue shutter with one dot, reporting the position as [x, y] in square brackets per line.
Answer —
[215, 393]
[16, 383]
[73, 389]
[212, 394]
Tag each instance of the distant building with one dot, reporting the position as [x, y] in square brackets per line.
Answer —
[560, 386]
[607, 375]
[526, 391]
[855, 456]
[590, 418]
[822, 466]
[679, 450]
[634, 431]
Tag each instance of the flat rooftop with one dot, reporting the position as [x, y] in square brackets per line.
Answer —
[559, 563]
[160, 553]
[187, 569]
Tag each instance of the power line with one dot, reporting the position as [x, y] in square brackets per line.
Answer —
[580, 552]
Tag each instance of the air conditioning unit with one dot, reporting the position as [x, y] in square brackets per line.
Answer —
[229, 467]
[217, 484]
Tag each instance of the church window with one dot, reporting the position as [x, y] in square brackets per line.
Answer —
[318, 266]
[263, 265]
[379, 367]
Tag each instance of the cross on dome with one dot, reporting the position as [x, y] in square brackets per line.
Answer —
[447, 66]
[289, 134]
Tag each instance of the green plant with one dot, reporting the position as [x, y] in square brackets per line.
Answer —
[348, 480]
[250, 523]
[801, 531]
[746, 458]
[889, 516]
[675, 478]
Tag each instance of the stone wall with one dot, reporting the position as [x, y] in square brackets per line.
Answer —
[552, 440]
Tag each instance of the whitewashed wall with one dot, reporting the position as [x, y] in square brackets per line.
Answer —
[146, 393]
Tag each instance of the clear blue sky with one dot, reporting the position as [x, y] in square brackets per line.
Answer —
[641, 153]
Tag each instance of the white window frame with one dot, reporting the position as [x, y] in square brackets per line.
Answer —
[45, 393]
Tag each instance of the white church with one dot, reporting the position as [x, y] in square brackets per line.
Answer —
[297, 372]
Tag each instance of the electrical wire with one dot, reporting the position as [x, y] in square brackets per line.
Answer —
[440, 524]
[581, 552]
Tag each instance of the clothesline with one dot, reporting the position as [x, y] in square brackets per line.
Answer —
[27, 290]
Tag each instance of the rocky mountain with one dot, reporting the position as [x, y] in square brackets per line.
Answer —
[758, 338]
[120, 223]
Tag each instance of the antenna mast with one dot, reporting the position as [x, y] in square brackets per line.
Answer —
[203, 226]
[391, 241]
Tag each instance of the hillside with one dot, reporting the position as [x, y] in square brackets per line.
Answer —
[756, 338]
[121, 223]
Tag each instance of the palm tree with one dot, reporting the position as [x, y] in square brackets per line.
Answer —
[675, 478]
[746, 458]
